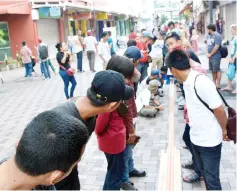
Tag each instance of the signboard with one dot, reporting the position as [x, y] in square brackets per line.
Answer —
[101, 16]
[35, 14]
[49, 12]
[81, 16]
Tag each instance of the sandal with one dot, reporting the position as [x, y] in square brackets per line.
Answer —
[226, 89]
[192, 178]
[234, 92]
[188, 166]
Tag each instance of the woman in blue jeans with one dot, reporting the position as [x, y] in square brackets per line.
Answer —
[65, 70]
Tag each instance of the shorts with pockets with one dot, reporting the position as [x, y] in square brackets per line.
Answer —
[214, 64]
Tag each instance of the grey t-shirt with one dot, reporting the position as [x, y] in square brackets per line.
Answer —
[212, 40]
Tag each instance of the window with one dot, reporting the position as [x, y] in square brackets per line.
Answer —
[4, 41]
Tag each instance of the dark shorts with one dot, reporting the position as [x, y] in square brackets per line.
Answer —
[214, 64]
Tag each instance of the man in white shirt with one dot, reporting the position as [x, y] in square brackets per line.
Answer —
[207, 129]
[104, 50]
[90, 44]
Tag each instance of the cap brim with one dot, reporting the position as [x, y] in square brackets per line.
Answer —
[128, 93]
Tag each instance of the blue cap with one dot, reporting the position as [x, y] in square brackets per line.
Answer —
[155, 72]
[147, 34]
[109, 86]
[133, 52]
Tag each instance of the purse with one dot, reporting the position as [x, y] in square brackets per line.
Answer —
[69, 71]
[231, 124]
[122, 109]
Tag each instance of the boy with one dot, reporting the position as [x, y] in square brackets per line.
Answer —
[147, 104]
[51, 146]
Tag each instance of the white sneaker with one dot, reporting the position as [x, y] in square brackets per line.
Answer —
[179, 99]
[182, 102]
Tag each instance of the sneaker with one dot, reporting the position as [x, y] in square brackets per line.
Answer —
[127, 186]
[137, 173]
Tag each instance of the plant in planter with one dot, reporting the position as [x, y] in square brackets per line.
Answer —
[11, 62]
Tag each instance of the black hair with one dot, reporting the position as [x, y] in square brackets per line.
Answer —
[178, 59]
[170, 23]
[122, 65]
[23, 43]
[164, 69]
[211, 27]
[154, 39]
[131, 43]
[143, 30]
[58, 46]
[104, 34]
[51, 141]
[109, 33]
[173, 35]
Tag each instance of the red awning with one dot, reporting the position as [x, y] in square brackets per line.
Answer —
[15, 8]
[188, 6]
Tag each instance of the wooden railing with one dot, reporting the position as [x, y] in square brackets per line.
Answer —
[170, 165]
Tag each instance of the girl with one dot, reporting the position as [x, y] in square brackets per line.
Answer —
[233, 56]
[65, 70]
[194, 41]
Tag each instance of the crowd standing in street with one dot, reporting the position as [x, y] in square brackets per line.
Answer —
[54, 141]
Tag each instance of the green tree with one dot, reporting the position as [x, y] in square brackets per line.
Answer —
[164, 18]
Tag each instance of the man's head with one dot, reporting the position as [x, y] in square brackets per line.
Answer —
[108, 89]
[131, 43]
[109, 33]
[146, 36]
[89, 33]
[39, 41]
[133, 36]
[105, 36]
[164, 70]
[173, 40]
[24, 43]
[211, 28]
[153, 40]
[79, 32]
[155, 73]
[171, 25]
[153, 86]
[178, 62]
[135, 54]
[176, 24]
[51, 145]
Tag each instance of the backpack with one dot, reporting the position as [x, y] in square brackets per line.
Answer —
[224, 51]
[43, 52]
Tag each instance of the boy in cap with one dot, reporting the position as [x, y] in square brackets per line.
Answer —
[147, 104]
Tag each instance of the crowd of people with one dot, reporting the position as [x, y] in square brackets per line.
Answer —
[54, 141]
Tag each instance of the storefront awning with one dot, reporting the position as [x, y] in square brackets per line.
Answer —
[188, 7]
[15, 8]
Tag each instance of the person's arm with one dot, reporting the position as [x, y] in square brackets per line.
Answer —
[128, 122]
[100, 52]
[221, 117]
[63, 60]
[101, 122]
[216, 47]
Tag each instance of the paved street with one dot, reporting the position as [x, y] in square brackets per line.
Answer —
[21, 99]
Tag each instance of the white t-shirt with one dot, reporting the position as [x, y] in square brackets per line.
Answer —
[142, 86]
[143, 99]
[205, 130]
[104, 50]
[156, 51]
[90, 43]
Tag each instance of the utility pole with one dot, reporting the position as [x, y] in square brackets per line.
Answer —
[211, 11]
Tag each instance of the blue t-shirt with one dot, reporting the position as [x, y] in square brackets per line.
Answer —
[110, 41]
[212, 40]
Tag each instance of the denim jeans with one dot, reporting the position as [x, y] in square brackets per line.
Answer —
[128, 163]
[91, 58]
[45, 69]
[186, 138]
[208, 161]
[79, 60]
[142, 68]
[115, 171]
[66, 79]
[28, 69]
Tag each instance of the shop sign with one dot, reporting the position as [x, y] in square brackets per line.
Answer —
[101, 16]
[50, 12]
[81, 16]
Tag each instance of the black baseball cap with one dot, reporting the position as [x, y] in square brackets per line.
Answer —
[133, 52]
[109, 86]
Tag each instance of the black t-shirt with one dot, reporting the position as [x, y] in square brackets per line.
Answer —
[193, 56]
[69, 108]
[59, 57]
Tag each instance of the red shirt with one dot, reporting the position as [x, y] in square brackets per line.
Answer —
[143, 48]
[111, 133]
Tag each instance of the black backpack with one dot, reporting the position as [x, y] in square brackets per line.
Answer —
[43, 52]
[224, 51]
